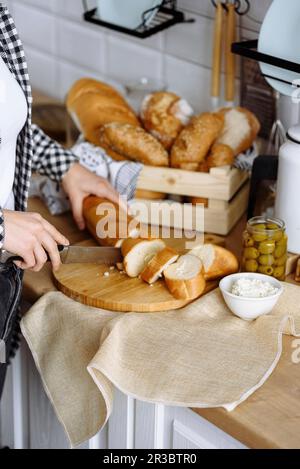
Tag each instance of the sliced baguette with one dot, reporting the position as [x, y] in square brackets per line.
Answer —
[120, 223]
[138, 253]
[217, 261]
[160, 262]
[185, 279]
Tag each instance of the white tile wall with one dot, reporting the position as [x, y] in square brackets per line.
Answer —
[61, 47]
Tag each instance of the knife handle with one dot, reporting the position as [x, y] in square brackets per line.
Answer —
[8, 257]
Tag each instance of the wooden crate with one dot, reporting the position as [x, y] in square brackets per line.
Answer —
[227, 191]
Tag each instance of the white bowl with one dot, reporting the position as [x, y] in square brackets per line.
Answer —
[249, 308]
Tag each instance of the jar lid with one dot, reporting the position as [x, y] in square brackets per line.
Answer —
[294, 134]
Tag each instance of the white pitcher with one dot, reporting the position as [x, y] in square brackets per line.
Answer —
[288, 188]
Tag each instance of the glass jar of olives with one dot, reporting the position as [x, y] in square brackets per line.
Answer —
[265, 247]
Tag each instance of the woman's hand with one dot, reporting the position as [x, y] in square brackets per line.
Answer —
[31, 237]
[79, 183]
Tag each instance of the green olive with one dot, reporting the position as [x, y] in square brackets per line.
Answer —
[276, 236]
[272, 226]
[266, 270]
[267, 247]
[251, 266]
[266, 260]
[259, 227]
[281, 261]
[280, 251]
[248, 241]
[259, 237]
[279, 273]
[283, 241]
[251, 253]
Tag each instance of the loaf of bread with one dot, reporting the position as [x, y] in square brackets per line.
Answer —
[240, 130]
[297, 278]
[164, 115]
[149, 195]
[132, 143]
[199, 200]
[185, 279]
[217, 261]
[220, 155]
[138, 253]
[120, 222]
[194, 142]
[160, 262]
[92, 104]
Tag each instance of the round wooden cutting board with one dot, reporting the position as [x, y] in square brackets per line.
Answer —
[87, 284]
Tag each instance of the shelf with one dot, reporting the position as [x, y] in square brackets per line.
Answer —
[249, 49]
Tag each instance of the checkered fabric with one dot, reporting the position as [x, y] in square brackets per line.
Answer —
[35, 151]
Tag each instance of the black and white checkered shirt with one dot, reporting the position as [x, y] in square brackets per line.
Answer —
[35, 151]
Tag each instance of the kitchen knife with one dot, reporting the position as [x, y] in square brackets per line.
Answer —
[77, 255]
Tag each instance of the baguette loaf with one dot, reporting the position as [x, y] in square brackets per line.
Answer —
[149, 195]
[164, 115]
[220, 155]
[199, 200]
[93, 104]
[240, 130]
[161, 261]
[297, 278]
[195, 141]
[138, 253]
[217, 261]
[120, 224]
[185, 279]
[132, 143]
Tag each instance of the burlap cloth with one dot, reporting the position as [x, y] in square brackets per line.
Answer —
[201, 356]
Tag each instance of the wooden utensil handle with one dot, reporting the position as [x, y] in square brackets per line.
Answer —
[217, 53]
[230, 57]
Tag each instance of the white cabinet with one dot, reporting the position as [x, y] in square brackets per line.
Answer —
[139, 425]
[133, 424]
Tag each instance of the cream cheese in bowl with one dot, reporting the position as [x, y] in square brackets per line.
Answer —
[253, 288]
[250, 296]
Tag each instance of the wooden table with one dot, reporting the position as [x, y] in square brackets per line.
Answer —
[270, 418]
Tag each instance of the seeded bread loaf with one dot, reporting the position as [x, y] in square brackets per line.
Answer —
[164, 115]
[132, 143]
[194, 142]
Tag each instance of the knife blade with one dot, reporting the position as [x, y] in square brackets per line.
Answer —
[77, 255]
[91, 255]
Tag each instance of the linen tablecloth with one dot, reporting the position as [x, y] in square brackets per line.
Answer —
[201, 356]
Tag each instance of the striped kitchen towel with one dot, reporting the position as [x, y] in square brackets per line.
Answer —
[123, 176]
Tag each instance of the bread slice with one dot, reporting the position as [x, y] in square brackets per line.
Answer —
[217, 261]
[185, 279]
[138, 253]
[161, 261]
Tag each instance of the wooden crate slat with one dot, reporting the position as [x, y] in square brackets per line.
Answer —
[217, 221]
[219, 184]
